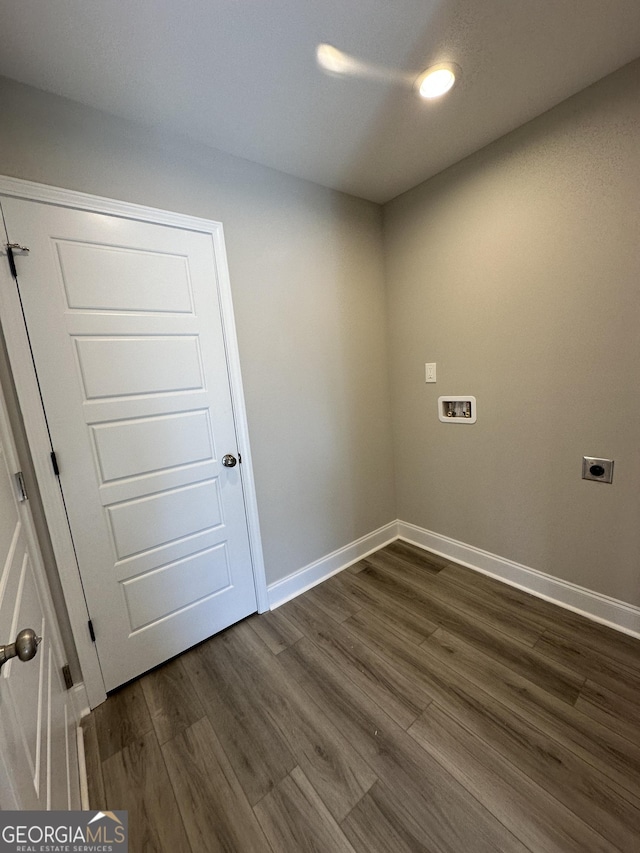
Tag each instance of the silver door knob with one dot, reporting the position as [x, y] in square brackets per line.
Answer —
[229, 460]
[24, 648]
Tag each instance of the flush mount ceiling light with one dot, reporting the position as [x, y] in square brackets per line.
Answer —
[437, 80]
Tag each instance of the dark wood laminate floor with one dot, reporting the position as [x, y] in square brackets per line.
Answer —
[407, 704]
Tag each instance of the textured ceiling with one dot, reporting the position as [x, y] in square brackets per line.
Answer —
[241, 75]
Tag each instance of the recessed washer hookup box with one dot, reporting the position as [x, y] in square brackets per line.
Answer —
[457, 410]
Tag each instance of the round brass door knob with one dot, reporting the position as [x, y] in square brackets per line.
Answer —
[24, 648]
[27, 644]
[229, 460]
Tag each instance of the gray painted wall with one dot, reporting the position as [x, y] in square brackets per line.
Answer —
[307, 282]
[518, 272]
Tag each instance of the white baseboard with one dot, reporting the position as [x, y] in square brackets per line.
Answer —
[82, 770]
[601, 608]
[313, 574]
[80, 700]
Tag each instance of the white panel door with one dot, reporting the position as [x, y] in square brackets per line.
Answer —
[38, 753]
[125, 326]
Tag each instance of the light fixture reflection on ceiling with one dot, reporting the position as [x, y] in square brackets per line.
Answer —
[336, 61]
[436, 80]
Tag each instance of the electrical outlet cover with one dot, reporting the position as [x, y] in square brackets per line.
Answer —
[594, 468]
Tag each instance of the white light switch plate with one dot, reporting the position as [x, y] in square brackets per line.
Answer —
[430, 373]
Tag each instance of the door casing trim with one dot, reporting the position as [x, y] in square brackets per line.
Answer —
[34, 419]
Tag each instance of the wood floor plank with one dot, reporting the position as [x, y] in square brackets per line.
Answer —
[172, 701]
[215, 811]
[532, 815]
[240, 708]
[97, 799]
[620, 648]
[121, 720]
[407, 659]
[492, 608]
[458, 829]
[294, 818]
[275, 630]
[393, 691]
[372, 825]
[434, 587]
[612, 710]
[409, 625]
[416, 556]
[570, 651]
[434, 808]
[330, 599]
[596, 743]
[338, 773]
[346, 705]
[548, 674]
[135, 779]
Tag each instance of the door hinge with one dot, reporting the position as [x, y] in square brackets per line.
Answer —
[22, 491]
[11, 248]
[54, 462]
[66, 674]
[92, 633]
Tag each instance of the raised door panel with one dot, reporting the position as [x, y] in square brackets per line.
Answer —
[108, 288]
[141, 446]
[118, 366]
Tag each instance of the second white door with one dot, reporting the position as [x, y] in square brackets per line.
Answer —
[38, 721]
[127, 336]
